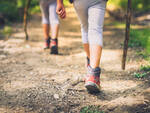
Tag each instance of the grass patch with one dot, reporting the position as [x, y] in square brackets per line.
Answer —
[140, 38]
[145, 68]
[144, 71]
[143, 54]
[91, 109]
[140, 75]
[120, 25]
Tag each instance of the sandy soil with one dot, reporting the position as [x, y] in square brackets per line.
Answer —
[33, 81]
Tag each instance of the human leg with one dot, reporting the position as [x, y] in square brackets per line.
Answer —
[82, 12]
[54, 21]
[54, 24]
[95, 29]
[46, 30]
[95, 32]
[45, 22]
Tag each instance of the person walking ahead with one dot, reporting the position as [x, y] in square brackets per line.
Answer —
[50, 22]
[91, 15]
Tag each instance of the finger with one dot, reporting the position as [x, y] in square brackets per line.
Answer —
[63, 16]
[62, 13]
[59, 12]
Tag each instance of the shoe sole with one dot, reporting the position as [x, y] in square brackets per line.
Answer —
[54, 50]
[92, 87]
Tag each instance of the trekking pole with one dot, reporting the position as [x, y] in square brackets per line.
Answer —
[25, 22]
[127, 34]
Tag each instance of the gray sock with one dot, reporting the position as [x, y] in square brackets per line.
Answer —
[94, 71]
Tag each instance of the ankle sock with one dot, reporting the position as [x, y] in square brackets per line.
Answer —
[94, 71]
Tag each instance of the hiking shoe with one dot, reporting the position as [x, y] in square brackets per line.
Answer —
[54, 46]
[92, 80]
[47, 43]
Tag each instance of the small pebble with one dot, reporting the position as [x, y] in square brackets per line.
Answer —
[28, 46]
[2, 56]
[56, 96]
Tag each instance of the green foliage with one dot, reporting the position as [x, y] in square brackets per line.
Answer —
[140, 75]
[7, 30]
[91, 109]
[8, 9]
[143, 54]
[144, 71]
[34, 7]
[137, 5]
[13, 10]
[20, 3]
[145, 68]
[140, 38]
[114, 2]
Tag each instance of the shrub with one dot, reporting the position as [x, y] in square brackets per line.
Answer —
[140, 38]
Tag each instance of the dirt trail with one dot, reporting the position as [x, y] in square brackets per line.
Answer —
[33, 81]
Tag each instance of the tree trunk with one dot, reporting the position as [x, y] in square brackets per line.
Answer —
[25, 22]
[2, 20]
[127, 34]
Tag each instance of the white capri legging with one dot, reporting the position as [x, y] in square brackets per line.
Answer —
[91, 15]
[48, 9]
